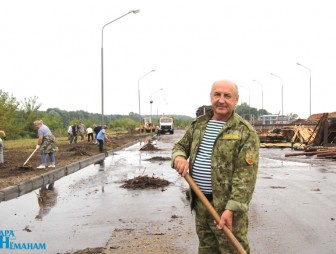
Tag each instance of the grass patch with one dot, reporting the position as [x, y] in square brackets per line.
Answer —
[30, 143]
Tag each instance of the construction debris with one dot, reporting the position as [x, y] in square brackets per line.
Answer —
[275, 135]
[145, 182]
[302, 134]
[276, 145]
[325, 131]
[318, 130]
[321, 153]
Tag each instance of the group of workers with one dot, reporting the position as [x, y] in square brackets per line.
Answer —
[97, 135]
[74, 131]
[219, 150]
[46, 141]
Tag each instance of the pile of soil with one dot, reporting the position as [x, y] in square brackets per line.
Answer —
[145, 182]
[159, 158]
[148, 147]
[80, 151]
[12, 173]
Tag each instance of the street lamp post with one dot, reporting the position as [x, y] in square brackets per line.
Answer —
[281, 91]
[151, 101]
[139, 90]
[102, 59]
[309, 86]
[262, 94]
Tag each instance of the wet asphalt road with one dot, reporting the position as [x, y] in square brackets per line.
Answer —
[293, 209]
[294, 205]
[89, 205]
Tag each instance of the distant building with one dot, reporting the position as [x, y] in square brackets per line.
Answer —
[275, 119]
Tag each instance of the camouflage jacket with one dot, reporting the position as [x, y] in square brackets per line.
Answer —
[234, 159]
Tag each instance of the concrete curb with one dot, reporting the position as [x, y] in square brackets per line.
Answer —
[10, 192]
[36, 182]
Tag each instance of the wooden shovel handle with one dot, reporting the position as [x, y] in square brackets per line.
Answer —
[213, 212]
[29, 157]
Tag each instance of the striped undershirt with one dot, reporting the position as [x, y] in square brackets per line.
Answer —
[202, 167]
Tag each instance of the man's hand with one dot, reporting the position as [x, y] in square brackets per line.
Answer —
[226, 219]
[38, 146]
[181, 164]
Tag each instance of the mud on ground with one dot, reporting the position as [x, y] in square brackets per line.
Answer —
[12, 173]
[145, 182]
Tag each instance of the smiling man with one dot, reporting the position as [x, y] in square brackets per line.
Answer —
[220, 150]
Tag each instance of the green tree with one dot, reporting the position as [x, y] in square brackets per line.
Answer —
[181, 122]
[54, 122]
[29, 112]
[248, 112]
[134, 116]
[293, 116]
[8, 113]
[127, 124]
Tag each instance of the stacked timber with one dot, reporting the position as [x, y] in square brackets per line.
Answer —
[276, 145]
[326, 130]
[322, 133]
[329, 153]
[300, 134]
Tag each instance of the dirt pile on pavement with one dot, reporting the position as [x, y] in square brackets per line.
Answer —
[159, 158]
[148, 147]
[145, 182]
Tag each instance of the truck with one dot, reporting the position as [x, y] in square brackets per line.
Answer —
[166, 124]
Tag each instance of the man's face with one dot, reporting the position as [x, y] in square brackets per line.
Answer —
[224, 98]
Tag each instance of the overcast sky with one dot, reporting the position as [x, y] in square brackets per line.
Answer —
[52, 50]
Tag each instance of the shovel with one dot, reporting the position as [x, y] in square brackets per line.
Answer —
[24, 164]
[213, 212]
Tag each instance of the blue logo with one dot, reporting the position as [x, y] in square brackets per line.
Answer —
[8, 241]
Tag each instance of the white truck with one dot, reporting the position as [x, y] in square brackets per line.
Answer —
[166, 124]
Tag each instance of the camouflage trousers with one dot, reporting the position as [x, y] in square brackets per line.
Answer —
[213, 240]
